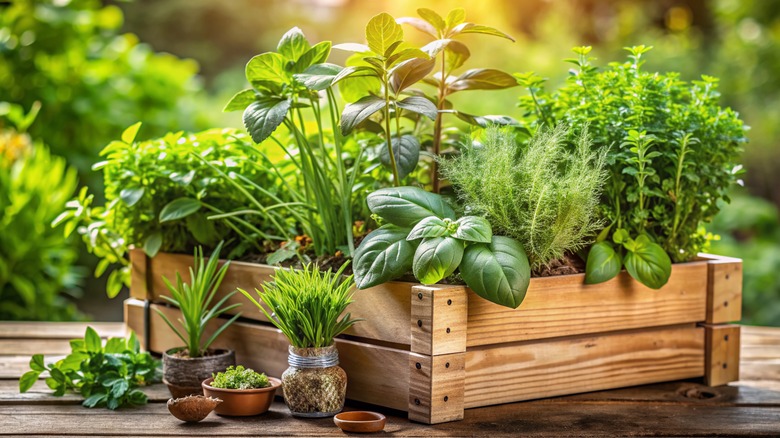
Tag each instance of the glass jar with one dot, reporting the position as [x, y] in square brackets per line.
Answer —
[314, 385]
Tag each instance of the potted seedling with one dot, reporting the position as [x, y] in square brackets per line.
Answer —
[185, 367]
[307, 305]
[243, 391]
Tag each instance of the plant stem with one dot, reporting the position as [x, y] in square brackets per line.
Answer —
[437, 125]
[388, 136]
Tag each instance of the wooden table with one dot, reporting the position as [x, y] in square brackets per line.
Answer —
[750, 407]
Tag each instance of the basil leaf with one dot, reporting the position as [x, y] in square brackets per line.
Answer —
[498, 271]
[474, 229]
[319, 76]
[407, 154]
[132, 196]
[354, 113]
[419, 105]
[603, 263]
[648, 263]
[293, 44]
[179, 208]
[436, 258]
[483, 79]
[383, 255]
[241, 100]
[429, 227]
[28, 380]
[92, 341]
[406, 206]
[262, 117]
[382, 32]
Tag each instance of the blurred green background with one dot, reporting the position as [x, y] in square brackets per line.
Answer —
[99, 66]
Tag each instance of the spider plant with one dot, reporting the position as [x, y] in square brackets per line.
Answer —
[305, 304]
[194, 300]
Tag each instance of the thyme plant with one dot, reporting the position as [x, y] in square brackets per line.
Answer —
[541, 194]
[306, 304]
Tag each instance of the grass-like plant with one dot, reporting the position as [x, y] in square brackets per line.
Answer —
[194, 300]
[240, 378]
[541, 194]
[305, 304]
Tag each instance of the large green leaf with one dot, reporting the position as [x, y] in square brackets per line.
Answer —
[355, 113]
[433, 18]
[455, 17]
[410, 72]
[419, 24]
[474, 229]
[478, 28]
[603, 264]
[419, 105]
[437, 258]
[262, 117]
[483, 79]
[430, 227]
[407, 153]
[241, 100]
[485, 121]
[293, 44]
[92, 341]
[179, 208]
[382, 31]
[28, 380]
[319, 76]
[266, 67]
[455, 55]
[129, 134]
[383, 255]
[152, 245]
[406, 206]
[316, 55]
[498, 271]
[648, 263]
[131, 196]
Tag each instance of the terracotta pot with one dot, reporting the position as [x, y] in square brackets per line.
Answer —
[242, 402]
[184, 375]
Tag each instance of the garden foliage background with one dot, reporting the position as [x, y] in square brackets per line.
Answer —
[98, 67]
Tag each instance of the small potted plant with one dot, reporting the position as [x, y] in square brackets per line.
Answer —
[243, 391]
[184, 368]
[307, 305]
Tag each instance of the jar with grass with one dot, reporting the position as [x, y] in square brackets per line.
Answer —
[307, 306]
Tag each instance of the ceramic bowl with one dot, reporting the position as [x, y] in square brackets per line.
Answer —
[360, 421]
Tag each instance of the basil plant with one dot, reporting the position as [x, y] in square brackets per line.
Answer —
[422, 234]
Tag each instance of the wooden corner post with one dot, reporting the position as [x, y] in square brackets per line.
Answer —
[724, 305]
[437, 361]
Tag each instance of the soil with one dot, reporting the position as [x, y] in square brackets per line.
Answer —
[570, 264]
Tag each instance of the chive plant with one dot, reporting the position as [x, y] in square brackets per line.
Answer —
[194, 300]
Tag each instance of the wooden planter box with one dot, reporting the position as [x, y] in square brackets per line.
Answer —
[434, 351]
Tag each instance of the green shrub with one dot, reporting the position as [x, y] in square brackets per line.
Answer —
[240, 378]
[673, 150]
[540, 194]
[37, 273]
[160, 195]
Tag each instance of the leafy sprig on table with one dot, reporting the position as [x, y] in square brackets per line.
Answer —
[106, 376]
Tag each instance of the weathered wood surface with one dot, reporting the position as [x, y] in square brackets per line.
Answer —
[744, 408]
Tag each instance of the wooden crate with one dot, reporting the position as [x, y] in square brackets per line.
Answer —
[434, 351]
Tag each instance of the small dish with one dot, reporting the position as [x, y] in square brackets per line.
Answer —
[360, 421]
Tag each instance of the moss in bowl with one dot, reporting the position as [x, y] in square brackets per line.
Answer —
[243, 391]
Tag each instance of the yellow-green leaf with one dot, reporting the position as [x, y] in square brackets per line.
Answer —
[382, 31]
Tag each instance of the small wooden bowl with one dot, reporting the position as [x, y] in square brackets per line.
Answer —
[360, 421]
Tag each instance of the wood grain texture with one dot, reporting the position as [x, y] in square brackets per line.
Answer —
[57, 330]
[537, 369]
[436, 387]
[376, 374]
[721, 355]
[391, 299]
[41, 394]
[438, 319]
[565, 306]
[724, 290]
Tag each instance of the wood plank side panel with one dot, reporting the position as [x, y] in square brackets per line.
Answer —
[436, 387]
[525, 371]
[438, 319]
[722, 354]
[566, 306]
[391, 299]
[724, 290]
[376, 374]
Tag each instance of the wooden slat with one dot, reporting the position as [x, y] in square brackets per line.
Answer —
[34, 346]
[438, 319]
[724, 289]
[436, 387]
[721, 356]
[525, 371]
[57, 330]
[376, 374]
[391, 300]
[537, 419]
[565, 306]
[12, 367]
[41, 394]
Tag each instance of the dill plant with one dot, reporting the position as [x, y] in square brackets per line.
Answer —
[305, 304]
[542, 194]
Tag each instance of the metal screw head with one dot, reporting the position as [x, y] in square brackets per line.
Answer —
[446, 398]
[447, 365]
[725, 304]
[419, 323]
[449, 302]
[418, 365]
[726, 338]
[419, 295]
[728, 276]
[417, 401]
[725, 365]
[448, 329]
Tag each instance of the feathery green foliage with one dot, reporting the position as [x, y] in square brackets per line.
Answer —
[541, 194]
[306, 304]
[240, 378]
[194, 300]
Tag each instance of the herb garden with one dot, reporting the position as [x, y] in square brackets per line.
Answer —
[390, 248]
